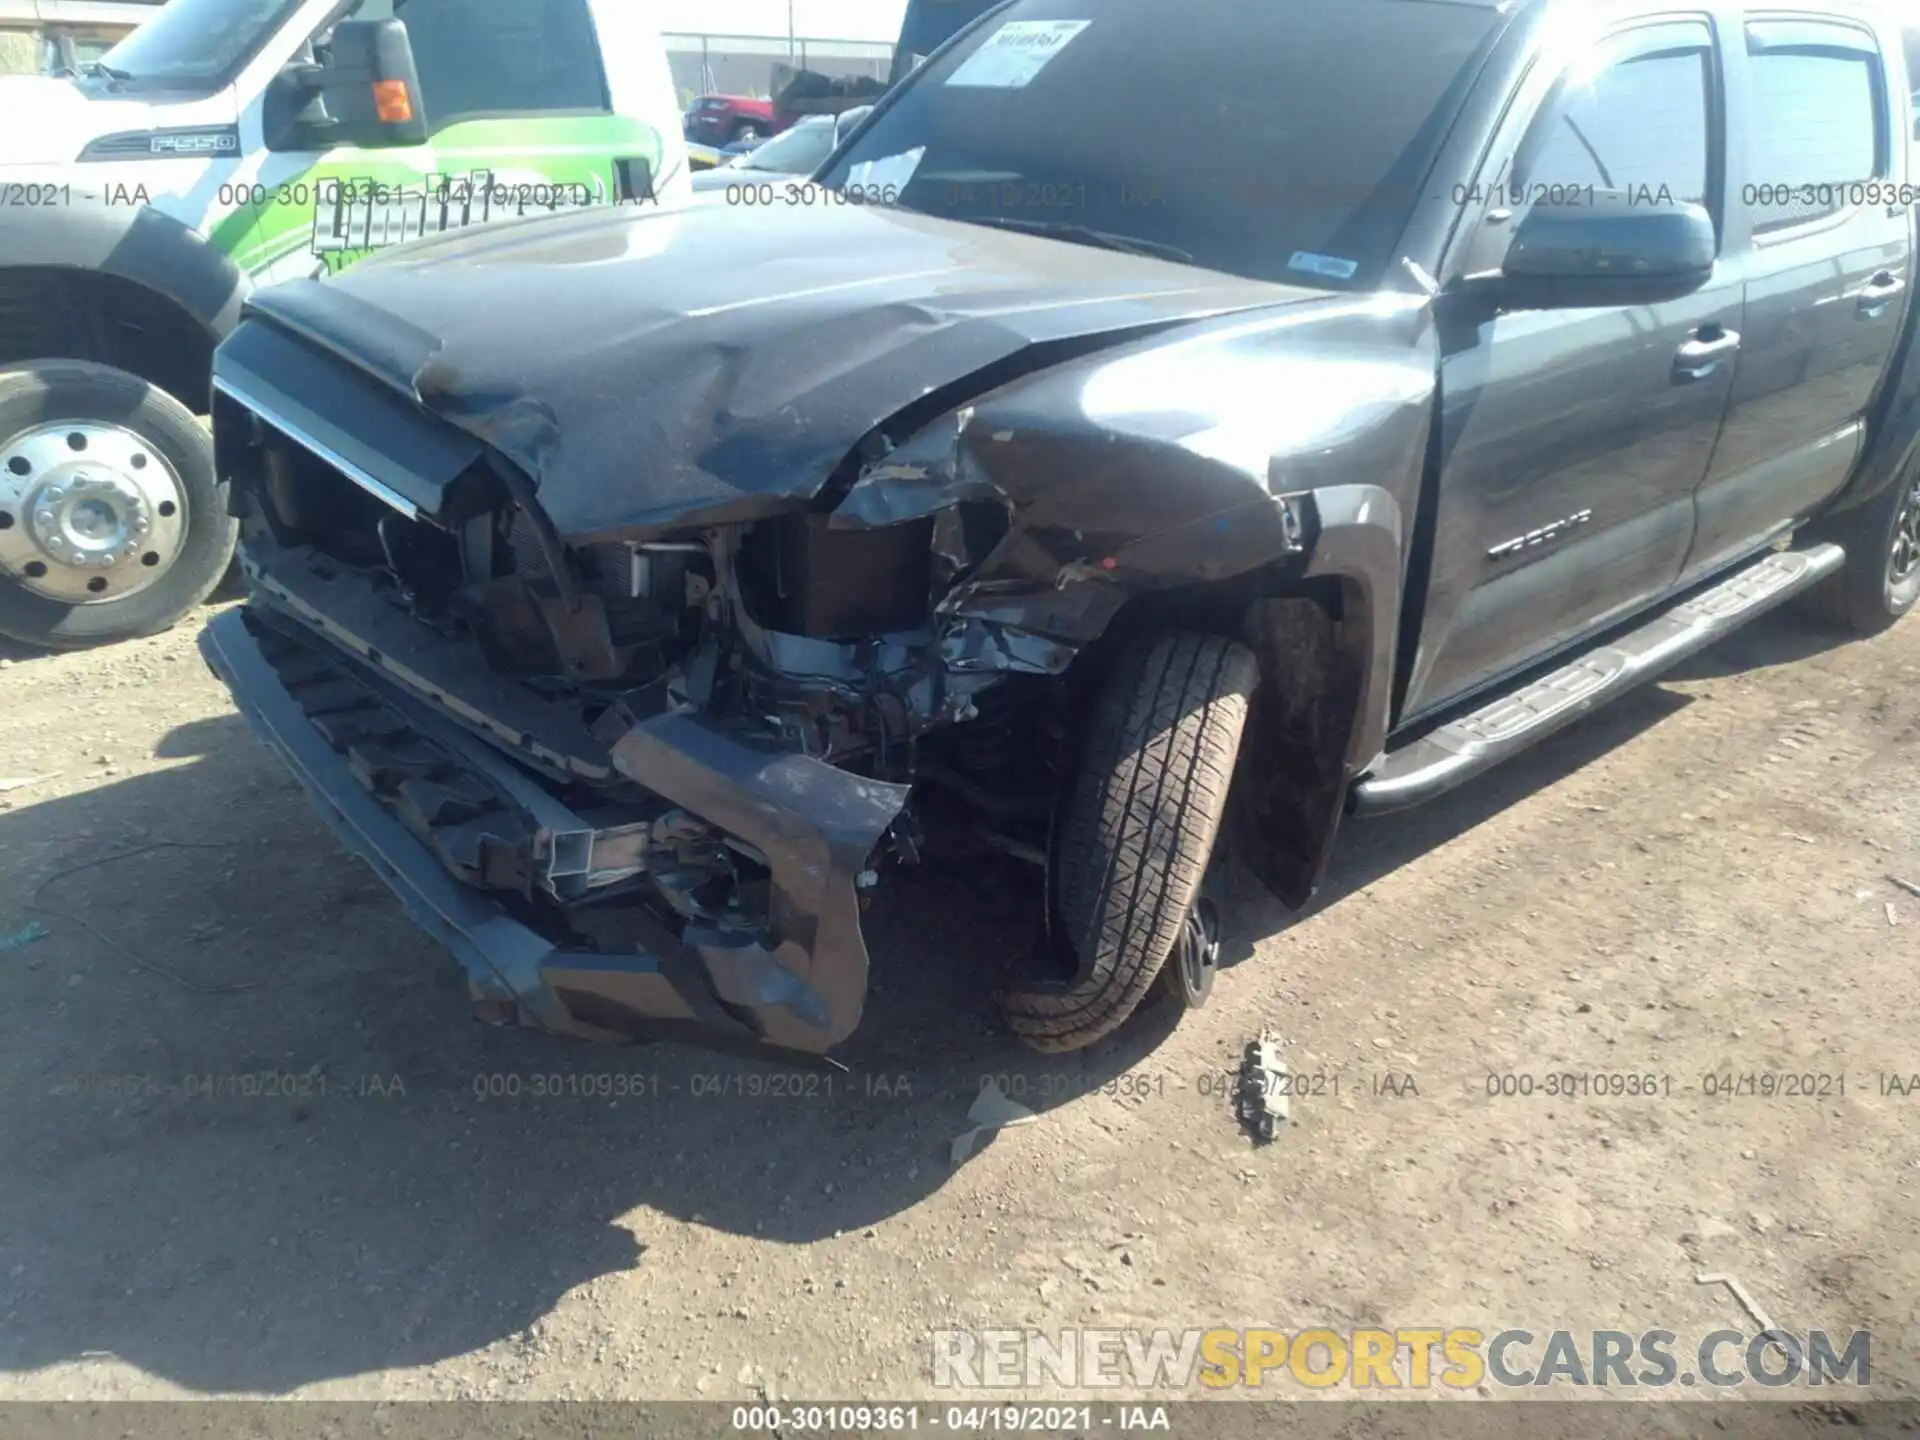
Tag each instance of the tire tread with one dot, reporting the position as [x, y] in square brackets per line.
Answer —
[1139, 829]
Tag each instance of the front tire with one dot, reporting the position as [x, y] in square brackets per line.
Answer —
[112, 523]
[1137, 831]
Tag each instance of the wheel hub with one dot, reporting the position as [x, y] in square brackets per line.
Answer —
[1196, 955]
[1904, 561]
[89, 512]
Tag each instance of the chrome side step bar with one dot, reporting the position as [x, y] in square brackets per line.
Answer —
[1503, 727]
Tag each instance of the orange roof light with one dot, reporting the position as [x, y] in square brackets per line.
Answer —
[392, 102]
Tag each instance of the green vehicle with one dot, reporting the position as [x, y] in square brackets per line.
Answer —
[225, 145]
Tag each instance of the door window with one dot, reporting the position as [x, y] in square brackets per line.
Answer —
[1814, 132]
[1910, 39]
[480, 58]
[1639, 125]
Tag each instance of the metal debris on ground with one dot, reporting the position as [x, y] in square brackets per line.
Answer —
[1747, 1302]
[1260, 1101]
[1893, 916]
[991, 1111]
[20, 939]
[1906, 885]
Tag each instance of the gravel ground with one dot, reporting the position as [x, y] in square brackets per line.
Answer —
[1692, 882]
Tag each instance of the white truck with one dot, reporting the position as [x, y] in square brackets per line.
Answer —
[224, 145]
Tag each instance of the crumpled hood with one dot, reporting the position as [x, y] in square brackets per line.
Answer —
[661, 368]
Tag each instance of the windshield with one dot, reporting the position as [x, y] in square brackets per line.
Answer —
[197, 44]
[798, 151]
[1275, 141]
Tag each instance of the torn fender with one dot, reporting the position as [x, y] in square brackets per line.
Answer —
[1295, 437]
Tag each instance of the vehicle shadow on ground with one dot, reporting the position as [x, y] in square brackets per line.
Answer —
[16, 652]
[382, 1205]
[12, 652]
[390, 1208]
[1373, 848]
[1785, 637]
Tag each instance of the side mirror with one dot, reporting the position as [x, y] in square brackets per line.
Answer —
[366, 93]
[1615, 251]
[372, 86]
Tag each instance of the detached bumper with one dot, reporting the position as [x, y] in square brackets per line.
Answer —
[796, 985]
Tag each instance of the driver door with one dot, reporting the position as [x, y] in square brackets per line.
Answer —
[1572, 441]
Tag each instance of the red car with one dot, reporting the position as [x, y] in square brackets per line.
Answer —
[729, 119]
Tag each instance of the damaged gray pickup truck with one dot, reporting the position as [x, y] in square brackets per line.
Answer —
[1071, 477]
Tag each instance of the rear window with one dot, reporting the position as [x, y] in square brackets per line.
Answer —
[505, 57]
[1816, 119]
[1911, 40]
[1281, 141]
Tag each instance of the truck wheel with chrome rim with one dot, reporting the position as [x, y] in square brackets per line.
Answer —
[1881, 579]
[111, 521]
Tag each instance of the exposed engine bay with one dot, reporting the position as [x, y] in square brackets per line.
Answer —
[634, 663]
[813, 656]
[824, 640]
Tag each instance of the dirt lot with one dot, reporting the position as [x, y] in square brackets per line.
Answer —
[1692, 882]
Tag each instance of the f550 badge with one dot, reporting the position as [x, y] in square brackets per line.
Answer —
[195, 142]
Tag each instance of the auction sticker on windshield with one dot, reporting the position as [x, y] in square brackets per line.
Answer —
[1332, 266]
[1016, 53]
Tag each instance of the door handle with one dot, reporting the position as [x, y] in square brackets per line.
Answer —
[1878, 293]
[1699, 358]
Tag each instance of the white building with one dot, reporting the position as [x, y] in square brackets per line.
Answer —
[731, 46]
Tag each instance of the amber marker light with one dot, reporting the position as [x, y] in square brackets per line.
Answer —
[392, 102]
